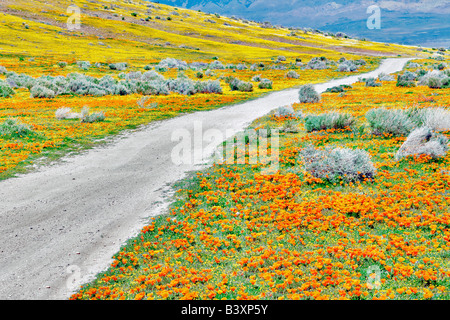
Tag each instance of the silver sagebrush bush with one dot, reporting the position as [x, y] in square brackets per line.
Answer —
[347, 66]
[435, 80]
[257, 78]
[210, 86]
[5, 90]
[171, 63]
[438, 119]
[87, 117]
[84, 65]
[389, 121]
[329, 120]
[265, 84]
[286, 112]
[307, 94]
[120, 66]
[39, 91]
[423, 141]
[292, 75]
[66, 113]
[385, 77]
[334, 164]
[14, 127]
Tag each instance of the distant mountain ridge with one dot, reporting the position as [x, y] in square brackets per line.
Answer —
[413, 22]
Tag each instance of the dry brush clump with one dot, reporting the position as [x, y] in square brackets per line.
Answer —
[389, 121]
[14, 127]
[5, 90]
[239, 85]
[435, 79]
[265, 84]
[329, 120]
[119, 66]
[372, 82]
[335, 164]
[287, 112]
[292, 75]
[147, 83]
[171, 63]
[438, 119]
[65, 113]
[397, 122]
[407, 79]
[290, 126]
[307, 94]
[385, 77]
[423, 141]
[87, 117]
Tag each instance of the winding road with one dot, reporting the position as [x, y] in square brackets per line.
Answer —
[61, 225]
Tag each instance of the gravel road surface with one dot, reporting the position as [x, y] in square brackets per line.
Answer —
[61, 224]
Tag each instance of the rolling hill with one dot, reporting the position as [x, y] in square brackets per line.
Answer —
[416, 22]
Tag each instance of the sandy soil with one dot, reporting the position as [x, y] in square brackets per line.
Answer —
[62, 224]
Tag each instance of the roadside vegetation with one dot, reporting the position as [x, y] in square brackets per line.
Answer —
[359, 206]
[357, 210]
[46, 89]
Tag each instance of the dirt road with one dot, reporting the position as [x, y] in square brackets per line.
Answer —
[62, 224]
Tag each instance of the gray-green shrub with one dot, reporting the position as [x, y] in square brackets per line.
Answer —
[438, 118]
[241, 66]
[239, 85]
[183, 86]
[5, 90]
[307, 94]
[19, 80]
[407, 79]
[257, 78]
[339, 89]
[265, 84]
[15, 128]
[39, 91]
[435, 79]
[318, 63]
[371, 82]
[210, 86]
[120, 66]
[292, 75]
[389, 121]
[286, 112]
[216, 65]
[334, 164]
[65, 113]
[171, 63]
[423, 141]
[385, 77]
[87, 117]
[330, 120]
[84, 65]
[347, 66]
